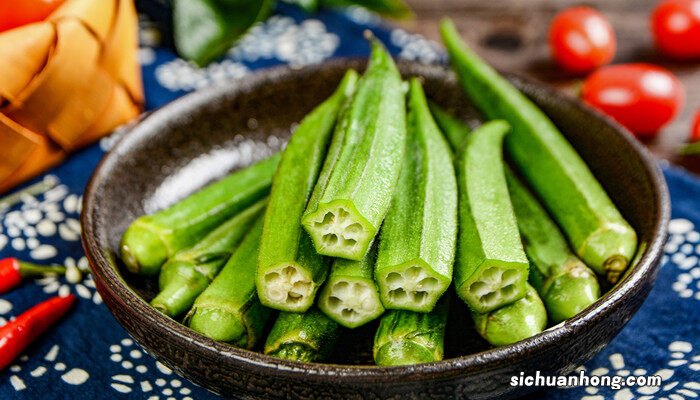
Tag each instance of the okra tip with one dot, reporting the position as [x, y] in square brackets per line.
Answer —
[143, 250]
[286, 287]
[402, 352]
[615, 267]
[493, 286]
[339, 230]
[571, 292]
[219, 325]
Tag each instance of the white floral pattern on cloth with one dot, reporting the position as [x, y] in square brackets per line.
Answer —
[5, 309]
[416, 47]
[179, 74]
[62, 286]
[282, 38]
[362, 16]
[135, 364]
[681, 355]
[49, 365]
[683, 250]
[53, 213]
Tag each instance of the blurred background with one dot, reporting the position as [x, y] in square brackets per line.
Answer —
[512, 35]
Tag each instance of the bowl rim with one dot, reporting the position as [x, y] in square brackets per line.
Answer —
[113, 283]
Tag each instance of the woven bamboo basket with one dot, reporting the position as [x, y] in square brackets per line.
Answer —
[66, 82]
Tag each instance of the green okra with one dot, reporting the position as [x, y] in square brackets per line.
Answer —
[419, 235]
[594, 227]
[514, 322]
[407, 337]
[565, 284]
[184, 276]
[229, 310]
[356, 185]
[350, 296]
[455, 130]
[289, 269]
[306, 337]
[491, 269]
[151, 239]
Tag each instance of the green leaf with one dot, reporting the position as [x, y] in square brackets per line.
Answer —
[309, 6]
[206, 29]
[387, 8]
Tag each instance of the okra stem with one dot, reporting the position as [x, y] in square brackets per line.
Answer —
[594, 227]
[563, 281]
[491, 269]
[229, 310]
[354, 190]
[350, 296]
[407, 337]
[306, 337]
[289, 269]
[419, 235]
[514, 322]
[190, 271]
[151, 239]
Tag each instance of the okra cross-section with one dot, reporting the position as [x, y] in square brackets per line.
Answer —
[354, 190]
[419, 235]
[289, 269]
[491, 268]
[350, 296]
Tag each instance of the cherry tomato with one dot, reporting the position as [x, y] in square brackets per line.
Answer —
[695, 132]
[676, 28]
[14, 13]
[581, 39]
[641, 97]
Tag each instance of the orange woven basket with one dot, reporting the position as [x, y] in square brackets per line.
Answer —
[66, 82]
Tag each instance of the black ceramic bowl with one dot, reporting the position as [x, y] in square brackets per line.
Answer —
[203, 136]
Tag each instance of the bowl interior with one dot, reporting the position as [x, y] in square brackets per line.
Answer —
[204, 136]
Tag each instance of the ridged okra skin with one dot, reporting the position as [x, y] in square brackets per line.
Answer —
[407, 337]
[350, 296]
[151, 239]
[306, 337]
[356, 185]
[190, 271]
[565, 284]
[594, 227]
[419, 235]
[515, 322]
[491, 268]
[229, 310]
[289, 269]
[455, 130]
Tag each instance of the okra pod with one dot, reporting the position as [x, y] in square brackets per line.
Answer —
[289, 269]
[229, 309]
[419, 235]
[151, 239]
[356, 185]
[455, 131]
[189, 272]
[350, 297]
[306, 337]
[407, 337]
[514, 322]
[595, 228]
[565, 284]
[491, 269]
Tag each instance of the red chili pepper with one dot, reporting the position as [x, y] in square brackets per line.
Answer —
[12, 271]
[16, 335]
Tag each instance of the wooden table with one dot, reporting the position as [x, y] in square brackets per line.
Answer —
[512, 35]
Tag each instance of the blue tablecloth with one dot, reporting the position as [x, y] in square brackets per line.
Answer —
[90, 356]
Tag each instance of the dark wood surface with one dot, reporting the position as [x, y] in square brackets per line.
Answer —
[512, 35]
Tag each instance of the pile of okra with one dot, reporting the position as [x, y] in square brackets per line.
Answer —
[379, 204]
